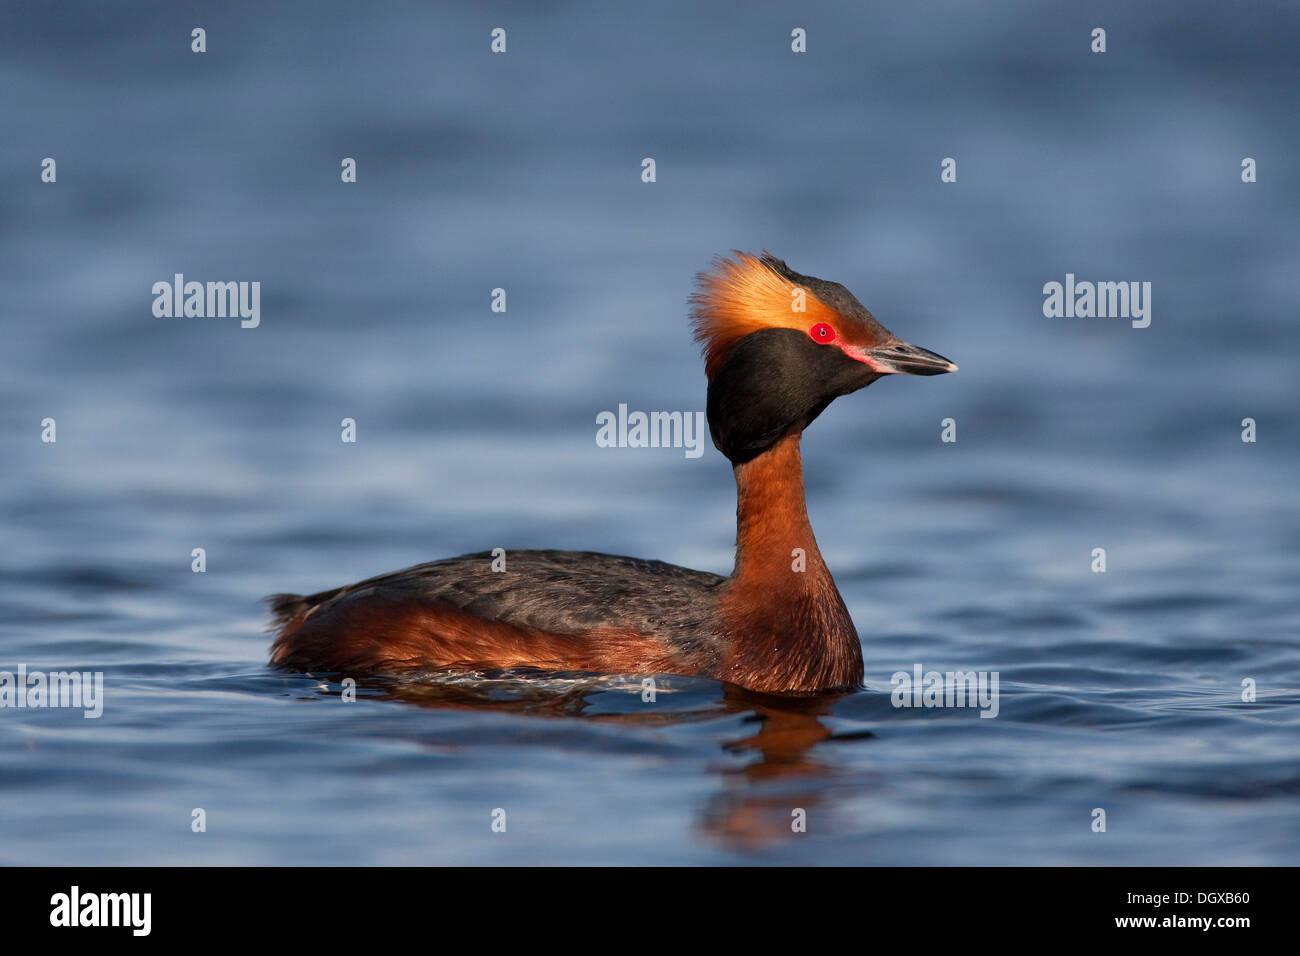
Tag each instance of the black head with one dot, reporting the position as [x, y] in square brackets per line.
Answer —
[780, 347]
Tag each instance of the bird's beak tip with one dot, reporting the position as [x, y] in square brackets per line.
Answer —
[903, 358]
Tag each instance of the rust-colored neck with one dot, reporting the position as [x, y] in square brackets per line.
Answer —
[788, 625]
[772, 520]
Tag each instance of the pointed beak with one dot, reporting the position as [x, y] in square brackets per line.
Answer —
[900, 358]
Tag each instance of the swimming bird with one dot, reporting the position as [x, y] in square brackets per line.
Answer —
[778, 348]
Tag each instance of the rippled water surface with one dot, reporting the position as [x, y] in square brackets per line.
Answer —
[1120, 691]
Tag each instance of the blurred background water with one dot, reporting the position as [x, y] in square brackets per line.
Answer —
[476, 429]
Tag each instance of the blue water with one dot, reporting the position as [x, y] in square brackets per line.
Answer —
[1119, 690]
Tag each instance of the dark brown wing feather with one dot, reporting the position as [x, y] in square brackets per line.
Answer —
[556, 592]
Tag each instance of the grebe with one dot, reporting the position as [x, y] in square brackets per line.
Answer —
[778, 348]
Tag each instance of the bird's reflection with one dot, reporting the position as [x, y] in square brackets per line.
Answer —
[771, 799]
[760, 802]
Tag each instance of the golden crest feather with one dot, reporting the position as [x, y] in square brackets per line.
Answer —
[744, 294]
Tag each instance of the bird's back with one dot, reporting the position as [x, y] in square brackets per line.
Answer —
[557, 593]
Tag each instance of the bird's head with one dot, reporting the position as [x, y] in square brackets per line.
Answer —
[779, 347]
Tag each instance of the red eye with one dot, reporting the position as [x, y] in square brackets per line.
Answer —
[823, 333]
